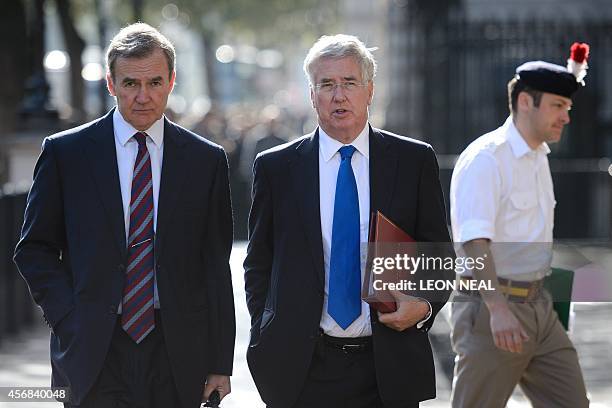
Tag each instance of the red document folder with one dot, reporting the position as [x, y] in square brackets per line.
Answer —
[384, 232]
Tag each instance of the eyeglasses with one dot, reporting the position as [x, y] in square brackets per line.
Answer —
[330, 87]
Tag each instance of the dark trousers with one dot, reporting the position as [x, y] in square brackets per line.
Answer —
[340, 379]
[134, 375]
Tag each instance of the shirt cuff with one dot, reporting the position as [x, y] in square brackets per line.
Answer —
[474, 229]
[427, 316]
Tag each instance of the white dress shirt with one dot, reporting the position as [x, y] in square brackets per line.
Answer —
[329, 163]
[502, 190]
[127, 149]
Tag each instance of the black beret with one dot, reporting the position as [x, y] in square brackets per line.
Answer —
[547, 77]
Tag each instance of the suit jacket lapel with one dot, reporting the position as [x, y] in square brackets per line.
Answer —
[305, 182]
[172, 178]
[102, 156]
[383, 168]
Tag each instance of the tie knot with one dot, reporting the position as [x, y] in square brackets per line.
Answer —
[346, 152]
[141, 138]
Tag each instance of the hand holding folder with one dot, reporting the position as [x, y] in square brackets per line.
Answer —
[382, 233]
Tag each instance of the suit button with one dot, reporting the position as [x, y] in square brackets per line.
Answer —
[121, 268]
[113, 309]
[158, 267]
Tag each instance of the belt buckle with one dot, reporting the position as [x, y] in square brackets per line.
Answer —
[534, 290]
[348, 348]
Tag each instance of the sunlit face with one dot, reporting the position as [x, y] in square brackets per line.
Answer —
[341, 113]
[548, 120]
[141, 86]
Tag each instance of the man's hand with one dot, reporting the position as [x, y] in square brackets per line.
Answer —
[217, 382]
[410, 311]
[508, 333]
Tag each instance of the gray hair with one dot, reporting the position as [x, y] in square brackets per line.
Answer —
[341, 46]
[139, 40]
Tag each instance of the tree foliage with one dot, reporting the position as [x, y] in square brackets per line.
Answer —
[267, 22]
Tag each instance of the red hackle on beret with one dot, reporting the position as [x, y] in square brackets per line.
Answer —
[579, 52]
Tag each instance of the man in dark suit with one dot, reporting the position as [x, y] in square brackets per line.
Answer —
[126, 242]
[314, 343]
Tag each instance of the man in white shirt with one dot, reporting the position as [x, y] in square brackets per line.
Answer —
[313, 341]
[502, 209]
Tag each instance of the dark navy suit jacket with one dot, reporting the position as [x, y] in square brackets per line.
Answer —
[72, 254]
[284, 272]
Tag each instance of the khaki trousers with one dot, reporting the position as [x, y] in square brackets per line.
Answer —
[547, 369]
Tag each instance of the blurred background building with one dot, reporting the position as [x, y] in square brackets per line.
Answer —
[443, 73]
[450, 63]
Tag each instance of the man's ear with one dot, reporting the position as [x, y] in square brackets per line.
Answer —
[109, 84]
[524, 101]
[312, 98]
[172, 80]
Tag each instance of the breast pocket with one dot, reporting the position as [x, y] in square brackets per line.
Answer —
[523, 215]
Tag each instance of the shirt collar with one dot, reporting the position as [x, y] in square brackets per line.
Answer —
[124, 131]
[329, 146]
[518, 144]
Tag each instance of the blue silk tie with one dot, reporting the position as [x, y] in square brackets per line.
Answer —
[344, 301]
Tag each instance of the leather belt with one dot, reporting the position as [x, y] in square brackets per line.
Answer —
[348, 345]
[515, 291]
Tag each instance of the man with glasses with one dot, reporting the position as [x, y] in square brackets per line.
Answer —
[314, 342]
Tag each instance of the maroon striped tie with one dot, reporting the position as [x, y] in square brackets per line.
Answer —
[137, 317]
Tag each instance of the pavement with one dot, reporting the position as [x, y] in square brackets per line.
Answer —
[24, 359]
